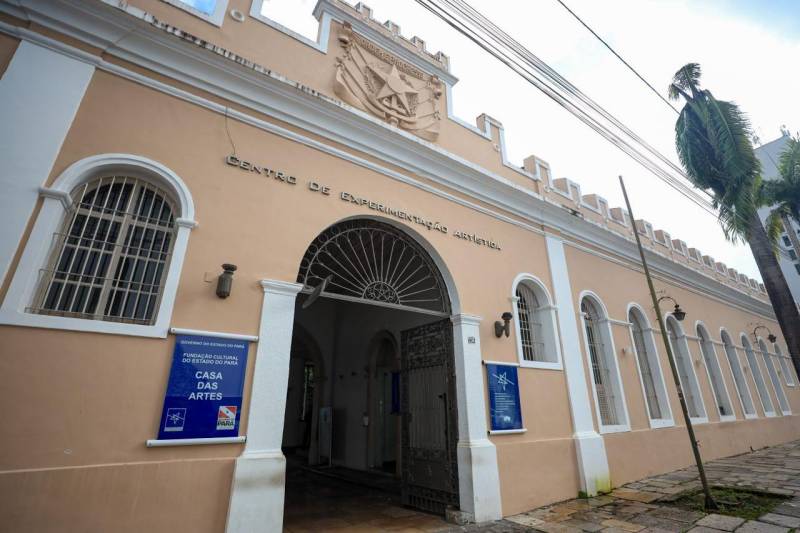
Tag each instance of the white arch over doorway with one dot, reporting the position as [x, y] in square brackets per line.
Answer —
[258, 488]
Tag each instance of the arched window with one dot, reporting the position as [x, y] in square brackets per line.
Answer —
[111, 255]
[721, 397]
[738, 376]
[606, 382]
[755, 370]
[773, 376]
[535, 324]
[786, 365]
[686, 373]
[105, 251]
[649, 369]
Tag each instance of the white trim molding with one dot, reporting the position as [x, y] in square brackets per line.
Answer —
[548, 320]
[37, 249]
[734, 356]
[610, 354]
[715, 361]
[40, 92]
[258, 487]
[680, 348]
[592, 460]
[761, 385]
[654, 360]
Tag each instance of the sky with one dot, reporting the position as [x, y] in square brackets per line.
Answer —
[747, 50]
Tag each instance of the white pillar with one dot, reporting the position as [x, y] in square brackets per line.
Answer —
[592, 459]
[39, 94]
[478, 478]
[259, 478]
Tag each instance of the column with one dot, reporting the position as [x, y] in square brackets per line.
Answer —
[39, 95]
[478, 478]
[259, 478]
[591, 451]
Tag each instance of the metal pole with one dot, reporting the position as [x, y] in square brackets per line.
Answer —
[710, 504]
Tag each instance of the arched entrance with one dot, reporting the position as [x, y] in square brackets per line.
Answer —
[377, 306]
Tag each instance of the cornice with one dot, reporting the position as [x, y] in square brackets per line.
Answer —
[129, 34]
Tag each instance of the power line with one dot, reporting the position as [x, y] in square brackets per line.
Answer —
[542, 76]
[655, 91]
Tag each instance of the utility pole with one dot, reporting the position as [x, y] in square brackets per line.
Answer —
[710, 504]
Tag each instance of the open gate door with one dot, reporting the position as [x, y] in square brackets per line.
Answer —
[430, 418]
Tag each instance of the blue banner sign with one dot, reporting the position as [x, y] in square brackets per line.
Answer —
[204, 393]
[504, 406]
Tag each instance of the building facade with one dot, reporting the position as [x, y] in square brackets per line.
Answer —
[769, 156]
[388, 254]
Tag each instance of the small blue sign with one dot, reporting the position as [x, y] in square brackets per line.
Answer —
[204, 393]
[504, 407]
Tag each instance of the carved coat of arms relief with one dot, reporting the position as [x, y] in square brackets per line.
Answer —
[371, 79]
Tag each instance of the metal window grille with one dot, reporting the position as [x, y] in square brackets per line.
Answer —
[530, 330]
[738, 376]
[601, 374]
[683, 363]
[643, 356]
[371, 260]
[717, 385]
[788, 376]
[110, 258]
[766, 401]
[773, 376]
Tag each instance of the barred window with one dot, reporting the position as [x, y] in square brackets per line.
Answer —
[738, 376]
[111, 256]
[758, 377]
[721, 398]
[785, 362]
[649, 369]
[783, 402]
[530, 329]
[686, 374]
[604, 376]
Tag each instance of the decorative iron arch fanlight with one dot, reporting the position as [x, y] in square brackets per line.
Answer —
[371, 260]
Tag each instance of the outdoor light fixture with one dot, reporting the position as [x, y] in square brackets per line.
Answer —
[225, 280]
[504, 326]
[772, 338]
[678, 313]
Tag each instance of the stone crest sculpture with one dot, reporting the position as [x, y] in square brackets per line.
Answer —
[373, 80]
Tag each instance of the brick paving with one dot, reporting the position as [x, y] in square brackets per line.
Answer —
[640, 507]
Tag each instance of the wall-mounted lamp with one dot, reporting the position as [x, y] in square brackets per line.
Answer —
[678, 313]
[772, 338]
[225, 280]
[504, 326]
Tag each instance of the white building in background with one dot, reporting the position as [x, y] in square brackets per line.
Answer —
[789, 258]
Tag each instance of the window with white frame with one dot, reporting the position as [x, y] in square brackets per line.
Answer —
[721, 398]
[212, 11]
[535, 324]
[738, 376]
[786, 364]
[606, 381]
[755, 370]
[649, 368]
[686, 373]
[111, 255]
[773, 376]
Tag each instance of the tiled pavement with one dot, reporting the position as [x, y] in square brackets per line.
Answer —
[637, 507]
[634, 508]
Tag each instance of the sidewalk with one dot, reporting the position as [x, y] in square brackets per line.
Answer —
[637, 507]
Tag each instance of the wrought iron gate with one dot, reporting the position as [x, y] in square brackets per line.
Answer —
[430, 418]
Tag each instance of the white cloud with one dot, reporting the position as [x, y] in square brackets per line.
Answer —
[742, 60]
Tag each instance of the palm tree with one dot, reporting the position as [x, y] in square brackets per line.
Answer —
[783, 194]
[712, 138]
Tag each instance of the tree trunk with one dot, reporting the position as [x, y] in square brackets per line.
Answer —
[778, 290]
